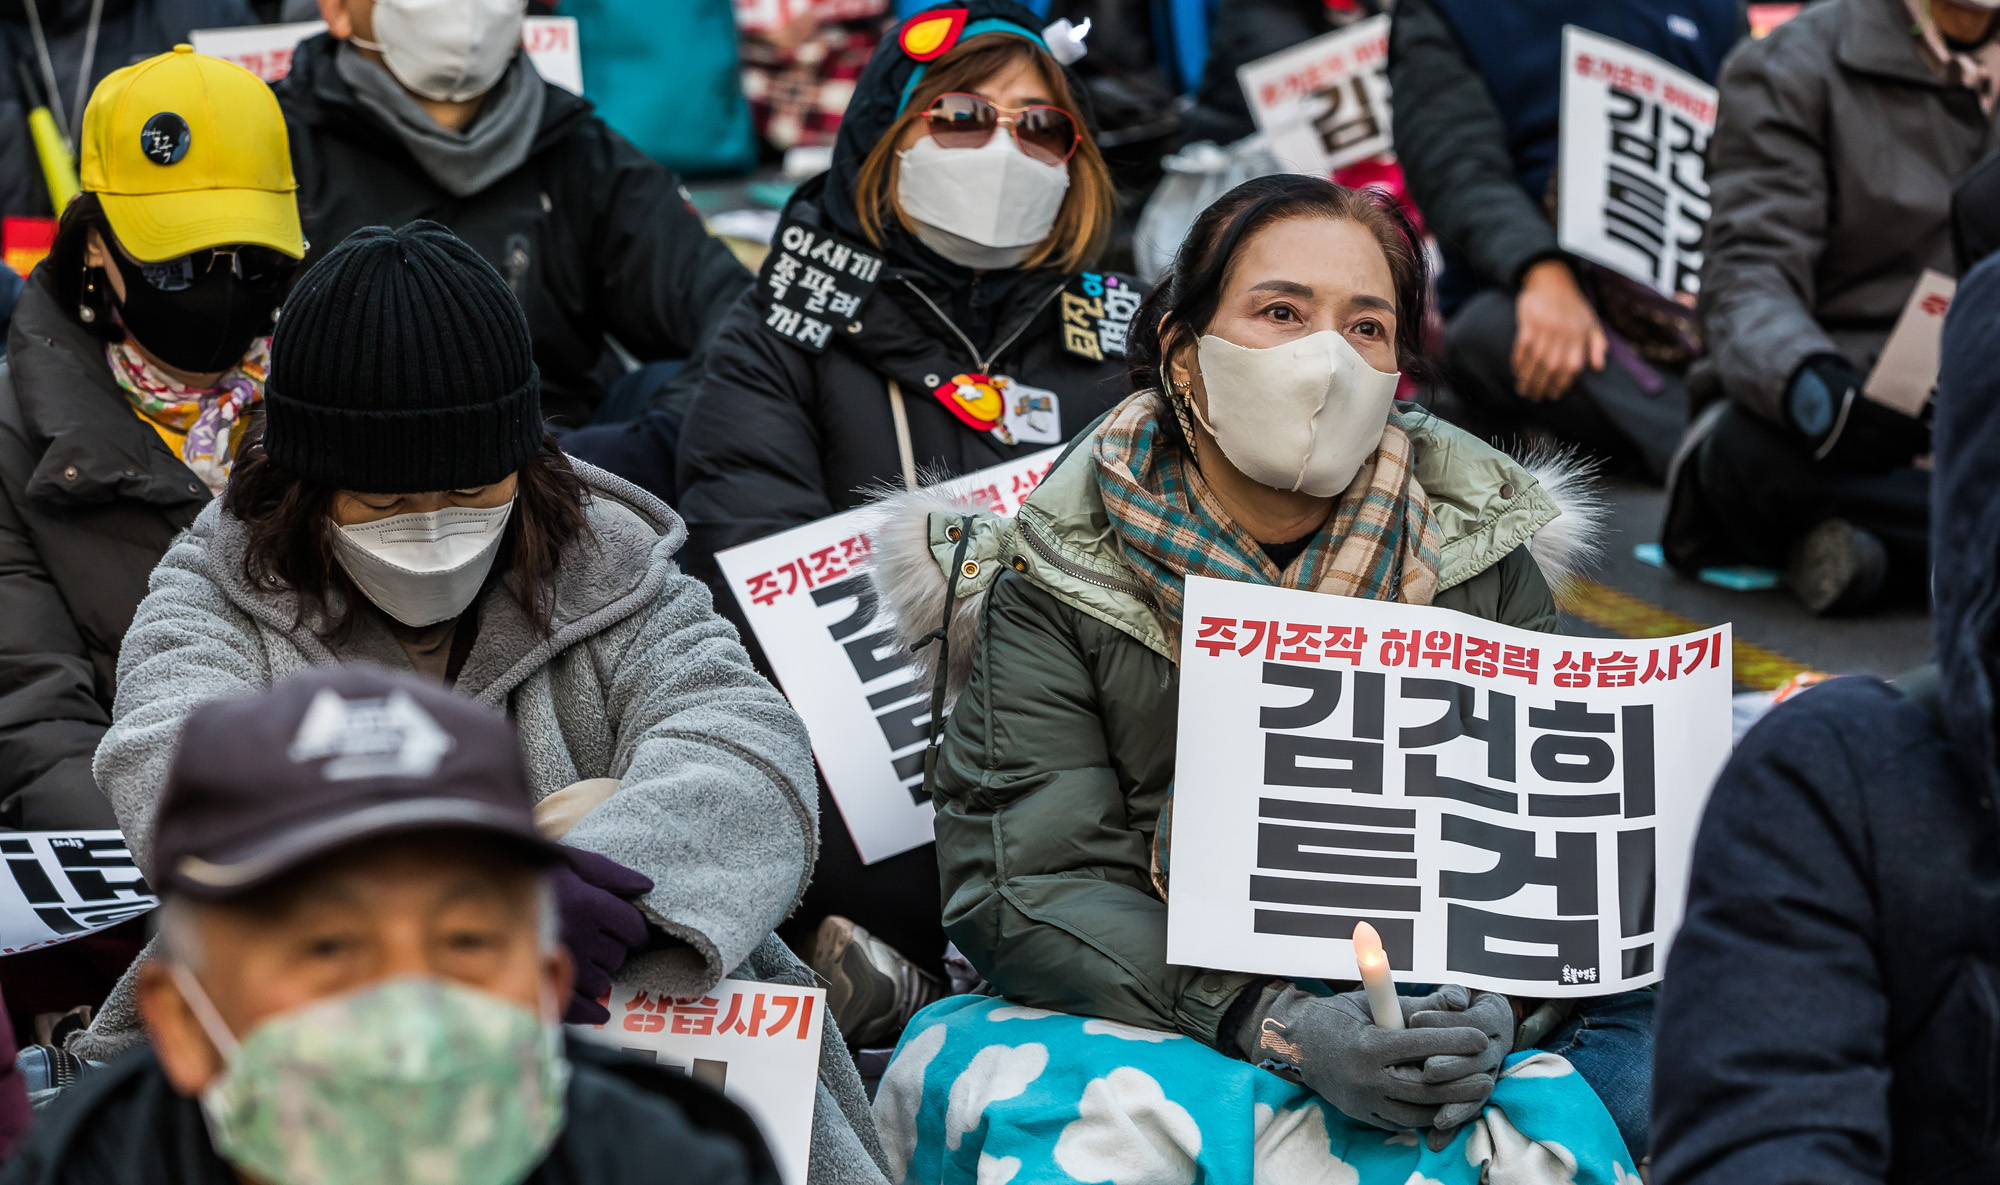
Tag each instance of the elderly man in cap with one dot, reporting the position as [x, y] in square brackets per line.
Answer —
[360, 981]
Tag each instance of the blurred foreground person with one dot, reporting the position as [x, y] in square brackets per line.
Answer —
[134, 376]
[405, 109]
[407, 509]
[1838, 141]
[358, 979]
[970, 170]
[1533, 337]
[1264, 445]
[1829, 1008]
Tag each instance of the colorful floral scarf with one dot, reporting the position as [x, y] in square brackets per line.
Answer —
[206, 417]
[1380, 542]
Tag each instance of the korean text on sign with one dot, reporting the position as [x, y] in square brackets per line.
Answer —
[758, 1043]
[1511, 810]
[1324, 104]
[813, 612]
[1632, 189]
[813, 283]
[65, 884]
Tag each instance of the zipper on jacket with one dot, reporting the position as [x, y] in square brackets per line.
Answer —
[1047, 551]
[981, 364]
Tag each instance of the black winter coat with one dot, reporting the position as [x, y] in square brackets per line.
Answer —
[90, 496]
[779, 436]
[128, 31]
[594, 237]
[1831, 1013]
[626, 1122]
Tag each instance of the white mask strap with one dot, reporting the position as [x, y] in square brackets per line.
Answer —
[205, 1015]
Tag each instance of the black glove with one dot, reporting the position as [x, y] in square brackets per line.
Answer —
[1379, 1076]
[1845, 428]
[600, 925]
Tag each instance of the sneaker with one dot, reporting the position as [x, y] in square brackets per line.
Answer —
[1837, 568]
[872, 991]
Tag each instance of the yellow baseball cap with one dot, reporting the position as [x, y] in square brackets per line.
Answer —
[187, 151]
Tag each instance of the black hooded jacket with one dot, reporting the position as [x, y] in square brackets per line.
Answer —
[594, 237]
[779, 436]
[127, 31]
[629, 1123]
[1831, 1011]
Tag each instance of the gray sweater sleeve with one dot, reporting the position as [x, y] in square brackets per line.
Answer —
[188, 645]
[1453, 148]
[1767, 226]
[718, 801]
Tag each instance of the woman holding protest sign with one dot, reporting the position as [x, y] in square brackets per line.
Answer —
[406, 508]
[1264, 446]
[925, 312]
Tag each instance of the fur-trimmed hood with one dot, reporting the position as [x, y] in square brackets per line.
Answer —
[1486, 504]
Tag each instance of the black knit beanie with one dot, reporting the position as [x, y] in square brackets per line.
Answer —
[401, 365]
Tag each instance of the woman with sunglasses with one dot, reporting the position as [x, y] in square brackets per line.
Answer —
[134, 374]
[965, 163]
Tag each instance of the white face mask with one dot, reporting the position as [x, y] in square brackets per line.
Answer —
[993, 196]
[1302, 416]
[423, 568]
[448, 51]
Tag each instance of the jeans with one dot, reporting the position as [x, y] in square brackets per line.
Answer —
[1610, 1042]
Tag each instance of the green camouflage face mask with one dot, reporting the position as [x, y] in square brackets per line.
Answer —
[411, 1081]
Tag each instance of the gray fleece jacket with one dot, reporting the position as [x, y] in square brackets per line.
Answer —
[638, 679]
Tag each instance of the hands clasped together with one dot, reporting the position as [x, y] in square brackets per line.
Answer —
[1432, 1075]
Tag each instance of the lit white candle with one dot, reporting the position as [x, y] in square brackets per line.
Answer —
[1375, 977]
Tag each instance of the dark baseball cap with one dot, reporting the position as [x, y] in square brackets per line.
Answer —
[263, 783]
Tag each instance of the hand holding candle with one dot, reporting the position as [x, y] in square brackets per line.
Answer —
[1375, 979]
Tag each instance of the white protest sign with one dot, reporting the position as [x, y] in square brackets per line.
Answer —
[1908, 368]
[1632, 189]
[1324, 104]
[757, 1043]
[266, 50]
[65, 884]
[846, 675]
[1511, 810]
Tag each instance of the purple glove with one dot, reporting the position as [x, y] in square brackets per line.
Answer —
[600, 925]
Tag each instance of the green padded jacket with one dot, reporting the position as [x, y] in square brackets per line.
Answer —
[1058, 757]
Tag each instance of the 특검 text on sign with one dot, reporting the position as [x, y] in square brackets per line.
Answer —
[1510, 810]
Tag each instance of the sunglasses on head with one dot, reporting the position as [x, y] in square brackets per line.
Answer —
[259, 267]
[1044, 133]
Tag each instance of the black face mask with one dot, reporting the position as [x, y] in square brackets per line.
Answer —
[197, 317]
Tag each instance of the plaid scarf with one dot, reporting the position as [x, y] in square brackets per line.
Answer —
[206, 418]
[1380, 542]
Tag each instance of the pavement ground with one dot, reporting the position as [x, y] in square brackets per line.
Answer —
[1774, 638]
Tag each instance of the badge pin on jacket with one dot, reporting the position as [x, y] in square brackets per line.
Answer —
[1012, 411]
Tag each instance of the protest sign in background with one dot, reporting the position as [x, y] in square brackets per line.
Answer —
[65, 884]
[757, 1043]
[813, 612]
[1632, 188]
[1511, 810]
[1324, 104]
[266, 50]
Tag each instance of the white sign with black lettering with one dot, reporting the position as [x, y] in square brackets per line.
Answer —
[65, 884]
[811, 607]
[1324, 104]
[1511, 810]
[266, 50]
[1632, 192]
[757, 1043]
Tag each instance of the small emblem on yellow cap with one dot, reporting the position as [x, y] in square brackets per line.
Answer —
[164, 139]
